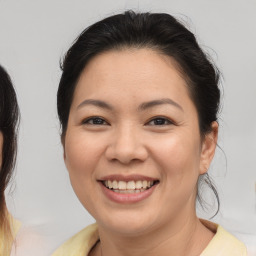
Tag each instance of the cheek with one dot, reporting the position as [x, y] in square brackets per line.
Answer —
[179, 159]
[82, 155]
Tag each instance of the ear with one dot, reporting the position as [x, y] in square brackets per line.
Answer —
[209, 144]
[63, 146]
[64, 154]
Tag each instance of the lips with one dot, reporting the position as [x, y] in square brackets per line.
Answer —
[128, 186]
[128, 189]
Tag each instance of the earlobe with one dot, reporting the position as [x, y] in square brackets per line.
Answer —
[208, 148]
[63, 145]
[63, 142]
[65, 156]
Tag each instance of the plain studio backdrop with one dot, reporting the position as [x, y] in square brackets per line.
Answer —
[34, 35]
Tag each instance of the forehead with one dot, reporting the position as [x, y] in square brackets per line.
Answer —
[137, 62]
[125, 69]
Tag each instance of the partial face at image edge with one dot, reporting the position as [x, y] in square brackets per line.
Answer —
[1, 148]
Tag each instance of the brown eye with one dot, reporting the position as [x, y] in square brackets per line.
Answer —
[95, 121]
[159, 121]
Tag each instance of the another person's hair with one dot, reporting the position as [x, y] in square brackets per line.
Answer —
[159, 32]
[9, 118]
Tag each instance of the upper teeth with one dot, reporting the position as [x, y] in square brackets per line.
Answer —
[123, 185]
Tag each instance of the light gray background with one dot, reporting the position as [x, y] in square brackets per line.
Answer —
[33, 37]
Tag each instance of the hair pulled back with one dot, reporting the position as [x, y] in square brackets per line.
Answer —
[157, 31]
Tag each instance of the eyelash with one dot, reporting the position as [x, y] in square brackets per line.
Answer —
[159, 118]
[96, 120]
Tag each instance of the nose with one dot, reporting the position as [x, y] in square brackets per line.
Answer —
[126, 146]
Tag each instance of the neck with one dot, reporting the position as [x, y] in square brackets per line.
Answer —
[187, 237]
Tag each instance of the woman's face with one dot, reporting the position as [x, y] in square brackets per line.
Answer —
[1, 148]
[132, 146]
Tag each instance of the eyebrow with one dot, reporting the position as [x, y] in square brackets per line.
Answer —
[97, 103]
[142, 107]
[154, 103]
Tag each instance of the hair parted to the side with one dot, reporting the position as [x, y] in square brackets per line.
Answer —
[9, 119]
[156, 31]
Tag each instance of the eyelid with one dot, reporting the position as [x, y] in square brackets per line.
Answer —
[86, 120]
[170, 122]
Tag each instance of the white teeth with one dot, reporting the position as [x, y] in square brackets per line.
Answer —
[122, 185]
[144, 184]
[128, 187]
[131, 185]
[110, 184]
[138, 184]
[115, 185]
[128, 191]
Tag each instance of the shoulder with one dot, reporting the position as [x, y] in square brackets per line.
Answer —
[6, 240]
[223, 243]
[15, 225]
[80, 244]
[28, 241]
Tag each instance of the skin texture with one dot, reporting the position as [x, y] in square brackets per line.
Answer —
[1, 148]
[128, 140]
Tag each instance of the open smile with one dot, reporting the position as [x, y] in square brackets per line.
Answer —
[128, 189]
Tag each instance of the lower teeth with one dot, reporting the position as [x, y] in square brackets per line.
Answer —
[128, 191]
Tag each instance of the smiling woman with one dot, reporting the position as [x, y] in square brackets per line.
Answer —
[138, 103]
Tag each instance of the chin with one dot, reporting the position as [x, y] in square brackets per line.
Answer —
[128, 224]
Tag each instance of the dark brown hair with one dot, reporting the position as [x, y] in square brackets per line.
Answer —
[9, 118]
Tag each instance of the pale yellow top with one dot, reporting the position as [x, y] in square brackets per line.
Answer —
[5, 246]
[222, 244]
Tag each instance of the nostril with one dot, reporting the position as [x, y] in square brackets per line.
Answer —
[126, 154]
